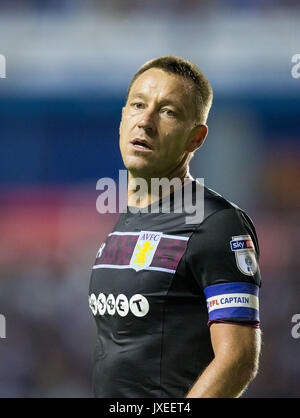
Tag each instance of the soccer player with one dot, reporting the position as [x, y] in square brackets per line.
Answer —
[175, 302]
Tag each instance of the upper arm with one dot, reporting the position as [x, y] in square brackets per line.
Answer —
[236, 344]
[224, 262]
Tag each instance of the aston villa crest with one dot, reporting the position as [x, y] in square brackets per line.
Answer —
[144, 249]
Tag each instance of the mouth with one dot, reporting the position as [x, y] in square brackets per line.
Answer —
[141, 144]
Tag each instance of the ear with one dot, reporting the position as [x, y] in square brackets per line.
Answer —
[198, 136]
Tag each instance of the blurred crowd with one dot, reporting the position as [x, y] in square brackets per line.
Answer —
[49, 242]
[153, 6]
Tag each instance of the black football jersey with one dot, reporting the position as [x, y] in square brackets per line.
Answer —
[157, 284]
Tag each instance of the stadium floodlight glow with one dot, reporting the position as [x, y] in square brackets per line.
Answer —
[107, 201]
[2, 66]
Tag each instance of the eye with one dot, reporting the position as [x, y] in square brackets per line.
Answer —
[169, 112]
[137, 105]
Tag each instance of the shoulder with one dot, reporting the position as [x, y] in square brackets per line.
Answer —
[224, 220]
[224, 248]
[215, 202]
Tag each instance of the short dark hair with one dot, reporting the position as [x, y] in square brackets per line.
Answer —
[189, 71]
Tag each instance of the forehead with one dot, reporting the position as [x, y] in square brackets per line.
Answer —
[162, 85]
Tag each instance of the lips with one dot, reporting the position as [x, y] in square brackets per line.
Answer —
[141, 144]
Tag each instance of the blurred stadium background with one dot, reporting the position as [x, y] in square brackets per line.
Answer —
[68, 66]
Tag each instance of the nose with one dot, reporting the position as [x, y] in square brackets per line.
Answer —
[147, 122]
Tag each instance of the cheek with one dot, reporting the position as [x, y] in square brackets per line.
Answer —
[122, 127]
[125, 126]
[174, 142]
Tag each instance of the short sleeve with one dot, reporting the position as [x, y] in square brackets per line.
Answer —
[223, 258]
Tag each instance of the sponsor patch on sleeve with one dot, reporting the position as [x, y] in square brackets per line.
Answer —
[245, 254]
[232, 301]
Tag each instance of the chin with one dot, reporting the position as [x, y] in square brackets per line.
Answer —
[136, 164]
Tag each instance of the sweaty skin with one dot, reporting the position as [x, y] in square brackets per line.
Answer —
[159, 110]
[237, 350]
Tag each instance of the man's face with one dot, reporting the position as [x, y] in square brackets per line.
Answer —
[156, 125]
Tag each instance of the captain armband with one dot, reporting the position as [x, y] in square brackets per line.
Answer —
[232, 301]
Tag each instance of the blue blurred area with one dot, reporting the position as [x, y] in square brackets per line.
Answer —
[69, 140]
[49, 141]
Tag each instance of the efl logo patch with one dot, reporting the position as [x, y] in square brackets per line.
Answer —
[232, 300]
[244, 252]
[144, 249]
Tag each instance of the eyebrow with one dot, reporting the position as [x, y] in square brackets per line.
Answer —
[164, 101]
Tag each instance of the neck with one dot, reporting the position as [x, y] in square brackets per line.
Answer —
[139, 192]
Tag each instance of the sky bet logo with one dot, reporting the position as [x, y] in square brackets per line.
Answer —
[2, 66]
[241, 244]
